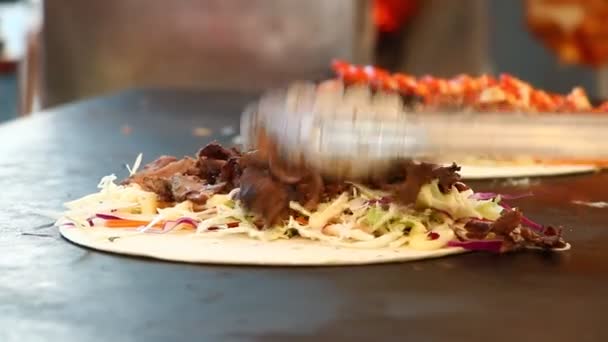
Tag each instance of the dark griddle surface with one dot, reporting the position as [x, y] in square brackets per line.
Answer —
[51, 290]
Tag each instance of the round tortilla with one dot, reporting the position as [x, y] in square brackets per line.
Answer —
[185, 246]
[518, 171]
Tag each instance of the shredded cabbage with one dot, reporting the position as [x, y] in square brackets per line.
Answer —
[386, 217]
[111, 198]
[299, 208]
[136, 164]
[220, 199]
[423, 241]
[374, 215]
[319, 219]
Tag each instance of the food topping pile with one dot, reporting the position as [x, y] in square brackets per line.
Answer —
[223, 191]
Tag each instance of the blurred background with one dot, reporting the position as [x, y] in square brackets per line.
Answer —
[58, 51]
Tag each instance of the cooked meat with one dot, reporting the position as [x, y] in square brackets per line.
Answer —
[418, 174]
[160, 162]
[181, 166]
[253, 158]
[267, 184]
[395, 174]
[231, 173]
[552, 237]
[164, 167]
[549, 238]
[160, 186]
[309, 190]
[509, 227]
[460, 186]
[484, 93]
[214, 164]
[263, 195]
[477, 229]
[282, 171]
[507, 222]
[210, 169]
[192, 188]
[334, 189]
[216, 151]
[447, 177]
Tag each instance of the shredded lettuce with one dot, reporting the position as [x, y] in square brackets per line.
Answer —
[456, 204]
[489, 209]
[417, 227]
[374, 215]
[379, 218]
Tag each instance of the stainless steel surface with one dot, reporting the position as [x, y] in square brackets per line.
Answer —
[352, 133]
[93, 47]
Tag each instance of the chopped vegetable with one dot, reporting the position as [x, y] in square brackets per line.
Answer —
[120, 223]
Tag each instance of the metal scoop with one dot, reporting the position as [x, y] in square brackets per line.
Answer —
[354, 132]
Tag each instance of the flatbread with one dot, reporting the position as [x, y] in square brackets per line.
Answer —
[187, 247]
[517, 171]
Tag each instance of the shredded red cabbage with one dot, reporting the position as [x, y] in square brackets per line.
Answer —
[535, 226]
[167, 226]
[524, 220]
[103, 217]
[108, 217]
[478, 245]
[171, 225]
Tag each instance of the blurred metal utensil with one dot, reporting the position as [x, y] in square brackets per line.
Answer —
[353, 132]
